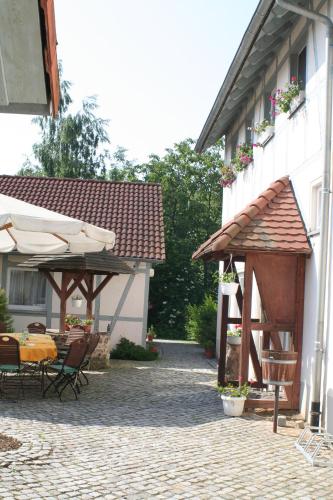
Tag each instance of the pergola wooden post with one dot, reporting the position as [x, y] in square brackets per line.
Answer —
[78, 272]
[69, 282]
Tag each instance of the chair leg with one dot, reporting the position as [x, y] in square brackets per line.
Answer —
[70, 383]
[53, 382]
[85, 378]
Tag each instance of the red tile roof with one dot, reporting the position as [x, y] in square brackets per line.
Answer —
[272, 222]
[132, 210]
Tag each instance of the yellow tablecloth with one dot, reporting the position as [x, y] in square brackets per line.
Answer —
[37, 348]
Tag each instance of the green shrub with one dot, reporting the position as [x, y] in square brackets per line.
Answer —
[201, 321]
[5, 317]
[126, 349]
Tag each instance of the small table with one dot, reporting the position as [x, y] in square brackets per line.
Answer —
[37, 348]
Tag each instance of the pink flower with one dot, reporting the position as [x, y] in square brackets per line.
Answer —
[293, 79]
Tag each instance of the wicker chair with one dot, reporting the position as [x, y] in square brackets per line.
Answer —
[10, 361]
[36, 328]
[93, 340]
[67, 372]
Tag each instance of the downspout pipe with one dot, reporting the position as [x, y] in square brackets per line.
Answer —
[316, 376]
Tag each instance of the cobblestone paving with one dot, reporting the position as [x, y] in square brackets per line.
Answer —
[152, 430]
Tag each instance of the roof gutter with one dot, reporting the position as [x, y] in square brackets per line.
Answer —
[317, 368]
[249, 38]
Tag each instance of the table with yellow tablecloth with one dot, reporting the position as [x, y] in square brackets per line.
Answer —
[37, 347]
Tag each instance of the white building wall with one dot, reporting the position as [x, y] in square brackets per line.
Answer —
[295, 150]
[123, 303]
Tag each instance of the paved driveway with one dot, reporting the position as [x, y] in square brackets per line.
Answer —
[151, 430]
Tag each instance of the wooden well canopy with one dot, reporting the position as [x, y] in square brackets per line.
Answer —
[78, 271]
[269, 237]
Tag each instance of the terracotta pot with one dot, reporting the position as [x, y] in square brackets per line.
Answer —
[153, 349]
[209, 353]
[150, 338]
[87, 328]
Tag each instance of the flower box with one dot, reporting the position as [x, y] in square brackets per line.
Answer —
[297, 102]
[265, 135]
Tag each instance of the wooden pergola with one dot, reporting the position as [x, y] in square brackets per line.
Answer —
[269, 238]
[78, 271]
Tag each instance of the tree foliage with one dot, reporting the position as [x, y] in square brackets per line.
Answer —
[192, 212]
[72, 144]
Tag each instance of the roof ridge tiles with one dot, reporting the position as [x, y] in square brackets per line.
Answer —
[69, 179]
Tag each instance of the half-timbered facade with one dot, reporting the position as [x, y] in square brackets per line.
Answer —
[278, 48]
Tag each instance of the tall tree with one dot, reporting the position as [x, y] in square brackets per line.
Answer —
[192, 211]
[72, 144]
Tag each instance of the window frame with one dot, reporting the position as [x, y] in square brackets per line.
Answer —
[315, 209]
[11, 307]
[296, 51]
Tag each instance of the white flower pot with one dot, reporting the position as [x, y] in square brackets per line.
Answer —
[233, 340]
[233, 407]
[229, 288]
[77, 302]
[266, 134]
[297, 101]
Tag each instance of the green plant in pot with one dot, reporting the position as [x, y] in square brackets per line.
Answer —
[87, 323]
[233, 398]
[151, 334]
[228, 282]
[234, 336]
[209, 347]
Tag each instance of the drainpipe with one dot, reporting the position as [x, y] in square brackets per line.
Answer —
[316, 377]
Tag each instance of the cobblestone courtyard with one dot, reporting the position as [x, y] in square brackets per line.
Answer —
[151, 430]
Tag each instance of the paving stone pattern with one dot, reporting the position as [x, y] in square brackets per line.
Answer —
[151, 430]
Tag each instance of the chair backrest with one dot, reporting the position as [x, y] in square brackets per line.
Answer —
[36, 328]
[93, 340]
[9, 351]
[76, 332]
[76, 353]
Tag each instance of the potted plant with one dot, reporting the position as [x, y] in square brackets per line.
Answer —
[234, 336]
[227, 175]
[151, 334]
[228, 283]
[233, 399]
[71, 320]
[209, 347]
[77, 301]
[87, 325]
[243, 157]
[289, 99]
[264, 130]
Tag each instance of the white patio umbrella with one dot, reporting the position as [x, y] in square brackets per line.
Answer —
[34, 230]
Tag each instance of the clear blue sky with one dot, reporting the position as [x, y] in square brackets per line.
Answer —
[155, 65]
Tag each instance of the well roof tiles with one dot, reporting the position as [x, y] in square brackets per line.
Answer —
[272, 222]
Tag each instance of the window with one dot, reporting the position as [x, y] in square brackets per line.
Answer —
[249, 124]
[26, 288]
[298, 66]
[316, 207]
[269, 111]
[301, 68]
